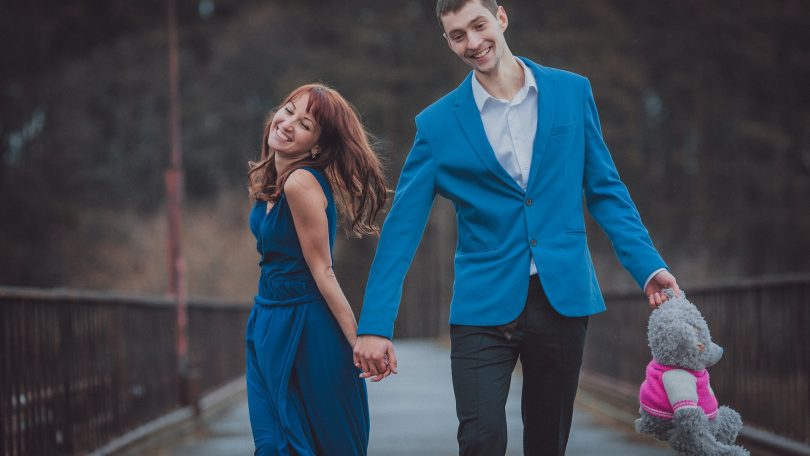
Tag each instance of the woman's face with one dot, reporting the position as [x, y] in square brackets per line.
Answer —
[293, 131]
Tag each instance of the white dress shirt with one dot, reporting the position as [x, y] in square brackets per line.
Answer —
[511, 126]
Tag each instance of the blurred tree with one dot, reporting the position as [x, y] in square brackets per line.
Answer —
[705, 107]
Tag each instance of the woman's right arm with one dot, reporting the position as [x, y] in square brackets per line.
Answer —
[308, 206]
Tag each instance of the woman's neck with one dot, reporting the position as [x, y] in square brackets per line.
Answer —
[282, 164]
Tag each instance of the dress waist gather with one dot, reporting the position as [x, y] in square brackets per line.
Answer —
[287, 290]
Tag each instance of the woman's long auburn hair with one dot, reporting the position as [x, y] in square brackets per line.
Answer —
[345, 157]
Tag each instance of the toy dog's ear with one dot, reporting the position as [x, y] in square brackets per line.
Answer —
[674, 344]
[689, 332]
[689, 346]
[671, 293]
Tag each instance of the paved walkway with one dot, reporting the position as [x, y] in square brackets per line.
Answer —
[413, 414]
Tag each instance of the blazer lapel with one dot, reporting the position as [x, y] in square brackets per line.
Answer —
[469, 118]
[546, 108]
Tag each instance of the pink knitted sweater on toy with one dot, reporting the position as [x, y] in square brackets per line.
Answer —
[654, 400]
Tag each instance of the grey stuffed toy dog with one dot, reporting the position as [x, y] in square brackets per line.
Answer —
[677, 403]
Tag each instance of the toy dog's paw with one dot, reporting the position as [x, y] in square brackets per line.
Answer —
[727, 425]
[693, 436]
[642, 426]
[660, 429]
[669, 292]
[735, 450]
[690, 418]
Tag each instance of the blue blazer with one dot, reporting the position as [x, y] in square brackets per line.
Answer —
[500, 227]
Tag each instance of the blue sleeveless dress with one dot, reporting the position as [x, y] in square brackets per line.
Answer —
[304, 394]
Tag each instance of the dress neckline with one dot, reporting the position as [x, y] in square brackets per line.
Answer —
[266, 212]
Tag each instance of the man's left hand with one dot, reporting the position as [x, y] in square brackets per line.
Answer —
[659, 282]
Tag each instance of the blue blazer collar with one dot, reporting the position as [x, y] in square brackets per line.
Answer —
[469, 119]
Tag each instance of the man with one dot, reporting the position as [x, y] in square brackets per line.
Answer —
[514, 147]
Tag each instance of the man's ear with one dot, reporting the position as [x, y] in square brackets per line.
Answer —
[503, 19]
[447, 40]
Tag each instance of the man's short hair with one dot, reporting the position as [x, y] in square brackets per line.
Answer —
[452, 6]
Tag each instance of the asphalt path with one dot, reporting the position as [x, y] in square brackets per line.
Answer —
[413, 414]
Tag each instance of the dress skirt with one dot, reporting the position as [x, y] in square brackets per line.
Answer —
[305, 396]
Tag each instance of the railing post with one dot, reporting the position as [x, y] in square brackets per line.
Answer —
[189, 394]
[63, 425]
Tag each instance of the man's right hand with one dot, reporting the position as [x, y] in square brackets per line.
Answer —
[375, 356]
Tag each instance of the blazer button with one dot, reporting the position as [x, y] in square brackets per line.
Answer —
[534, 242]
[529, 202]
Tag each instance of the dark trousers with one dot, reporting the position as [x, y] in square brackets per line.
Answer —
[549, 347]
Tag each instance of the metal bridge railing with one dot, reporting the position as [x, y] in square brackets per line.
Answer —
[78, 369]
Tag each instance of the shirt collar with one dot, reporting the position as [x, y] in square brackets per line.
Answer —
[481, 95]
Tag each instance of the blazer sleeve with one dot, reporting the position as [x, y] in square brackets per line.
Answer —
[608, 201]
[400, 236]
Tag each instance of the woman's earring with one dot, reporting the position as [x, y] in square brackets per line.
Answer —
[314, 153]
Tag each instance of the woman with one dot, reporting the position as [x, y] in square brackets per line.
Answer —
[305, 396]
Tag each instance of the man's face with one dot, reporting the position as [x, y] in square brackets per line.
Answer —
[476, 36]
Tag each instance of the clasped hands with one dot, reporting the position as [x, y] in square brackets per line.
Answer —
[374, 355]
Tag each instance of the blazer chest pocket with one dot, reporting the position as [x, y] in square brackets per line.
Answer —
[563, 129]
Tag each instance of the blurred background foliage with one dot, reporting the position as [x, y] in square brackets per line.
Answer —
[705, 106]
